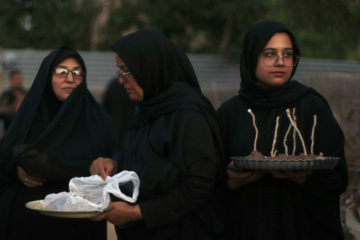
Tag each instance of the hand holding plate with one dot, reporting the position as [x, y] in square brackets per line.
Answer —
[239, 179]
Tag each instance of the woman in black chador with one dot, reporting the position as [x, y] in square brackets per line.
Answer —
[174, 144]
[273, 205]
[58, 131]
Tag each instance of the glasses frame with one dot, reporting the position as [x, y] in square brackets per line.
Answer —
[119, 73]
[78, 77]
[278, 58]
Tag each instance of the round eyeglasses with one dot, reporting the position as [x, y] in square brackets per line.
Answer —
[271, 59]
[64, 72]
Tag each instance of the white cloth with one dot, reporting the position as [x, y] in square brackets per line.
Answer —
[92, 193]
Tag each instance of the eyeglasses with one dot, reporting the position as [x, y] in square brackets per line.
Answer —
[122, 74]
[271, 58]
[64, 72]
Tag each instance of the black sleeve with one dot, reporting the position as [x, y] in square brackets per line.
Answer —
[326, 185]
[193, 147]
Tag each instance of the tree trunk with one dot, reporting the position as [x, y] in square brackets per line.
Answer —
[100, 21]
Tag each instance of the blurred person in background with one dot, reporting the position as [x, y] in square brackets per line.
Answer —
[12, 98]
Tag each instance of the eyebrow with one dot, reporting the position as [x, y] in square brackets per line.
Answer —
[276, 49]
[122, 66]
[77, 67]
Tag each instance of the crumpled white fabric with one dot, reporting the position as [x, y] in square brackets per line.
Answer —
[92, 193]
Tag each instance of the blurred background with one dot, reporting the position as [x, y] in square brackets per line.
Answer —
[210, 32]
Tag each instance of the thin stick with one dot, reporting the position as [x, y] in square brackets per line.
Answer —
[275, 136]
[294, 134]
[297, 130]
[256, 129]
[285, 138]
[312, 135]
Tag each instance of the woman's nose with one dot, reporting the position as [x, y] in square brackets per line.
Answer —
[70, 77]
[279, 61]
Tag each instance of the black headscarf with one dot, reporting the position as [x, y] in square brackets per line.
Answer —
[164, 73]
[53, 139]
[155, 62]
[253, 44]
[167, 78]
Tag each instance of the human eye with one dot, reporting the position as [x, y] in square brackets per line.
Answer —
[288, 55]
[77, 72]
[269, 54]
[61, 72]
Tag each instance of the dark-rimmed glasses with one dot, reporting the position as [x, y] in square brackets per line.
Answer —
[271, 58]
[64, 72]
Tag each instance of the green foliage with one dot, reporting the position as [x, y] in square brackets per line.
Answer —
[46, 24]
[324, 28]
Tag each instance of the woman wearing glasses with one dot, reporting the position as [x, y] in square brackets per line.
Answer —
[174, 144]
[280, 204]
[58, 131]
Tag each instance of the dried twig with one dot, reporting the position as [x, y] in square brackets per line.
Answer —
[312, 135]
[285, 138]
[294, 134]
[297, 130]
[275, 136]
[256, 129]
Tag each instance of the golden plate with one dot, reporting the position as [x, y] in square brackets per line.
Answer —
[37, 206]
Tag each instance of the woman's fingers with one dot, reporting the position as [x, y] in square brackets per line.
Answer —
[28, 180]
[103, 167]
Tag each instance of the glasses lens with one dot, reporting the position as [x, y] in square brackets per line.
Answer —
[288, 59]
[272, 58]
[122, 74]
[77, 74]
[61, 72]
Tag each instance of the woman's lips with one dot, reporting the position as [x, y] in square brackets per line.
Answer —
[68, 89]
[278, 74]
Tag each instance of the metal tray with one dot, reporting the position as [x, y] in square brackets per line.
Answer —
[241, 162]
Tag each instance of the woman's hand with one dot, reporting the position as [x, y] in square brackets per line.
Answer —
[239, 179]
[298, 176]
[121, 213]
[103, 167]
[29, 180]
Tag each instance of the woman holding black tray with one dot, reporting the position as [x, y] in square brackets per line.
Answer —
[274, 116]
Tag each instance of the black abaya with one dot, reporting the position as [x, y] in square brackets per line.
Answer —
[53, 140]
[174, 144]
[272, 208]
